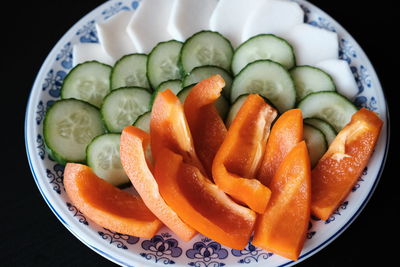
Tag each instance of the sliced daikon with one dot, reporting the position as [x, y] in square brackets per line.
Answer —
[190, 16]
[149, 25]
[312, 44]
[229, 17]
[273, 16]
[342, 76]
[90, 51]
[113, 36]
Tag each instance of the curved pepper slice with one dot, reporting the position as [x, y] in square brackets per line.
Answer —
[238, 158]
[282, 228]
[134, 143]
[201, 204]
[169, 129]
[340, 167]
[207, 127]
[285, 134]
[107, 205]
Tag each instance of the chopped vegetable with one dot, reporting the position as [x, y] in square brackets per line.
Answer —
[162, 63]
[130, 70]
[88, 81]
[316, 143]
[107, 205]
[207, 127]
[102, 156]
[340, 167]
[169, 129]
[282, 228]
[269, 79]
[201, 204]
[69, 127]
[123, 106]
[240, 155]
[285, 134]
[134, 143]
[203, 72]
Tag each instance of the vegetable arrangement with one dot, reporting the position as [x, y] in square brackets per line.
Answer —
[163, 123]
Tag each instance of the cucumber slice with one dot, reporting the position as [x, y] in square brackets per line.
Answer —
[268, 79]
[69, 126]
[324, 127]
[123, 106]
[206, 48]
[263, 46]
[174, 85]
[316, 143]
[308, 79]
[89, 81]
[143, 122]
[221, 104]
[184, 93]
[162, 64]
[130, 70]
[235, 107]
[203, 72]
[328, 106]
[102, 155]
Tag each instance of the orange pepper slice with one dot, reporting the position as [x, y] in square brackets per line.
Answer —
[282, 228]
[134, 143]
[169, 129]
[107, 205]
[237, 160]
[340, 167]
[201, 204]
[207, 127]
[286, 132]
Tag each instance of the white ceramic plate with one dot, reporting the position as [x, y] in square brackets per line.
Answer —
[165, 248]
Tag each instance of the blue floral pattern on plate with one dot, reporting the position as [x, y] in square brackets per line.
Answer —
[165, 248]
[206, 253]
[77, 213]
[56, 176]
[119, 240]
[161, 248]
[88, 33]
[251, 254]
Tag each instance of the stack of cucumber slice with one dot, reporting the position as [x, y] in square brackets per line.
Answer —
[98, 100]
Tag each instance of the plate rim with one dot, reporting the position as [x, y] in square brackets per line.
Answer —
[313, 251]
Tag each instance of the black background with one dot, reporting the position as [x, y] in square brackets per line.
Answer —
[31, 235]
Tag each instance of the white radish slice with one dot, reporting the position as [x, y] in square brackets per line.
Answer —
[148, 26]
[190, 16]
[90, 51]
[342, 76]
[312, 44]
[273, 16]
[113, 36]
[229, 18]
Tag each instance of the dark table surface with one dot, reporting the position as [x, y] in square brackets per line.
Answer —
[30, 233]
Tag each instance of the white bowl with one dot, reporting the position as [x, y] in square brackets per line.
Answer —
[165, 247]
